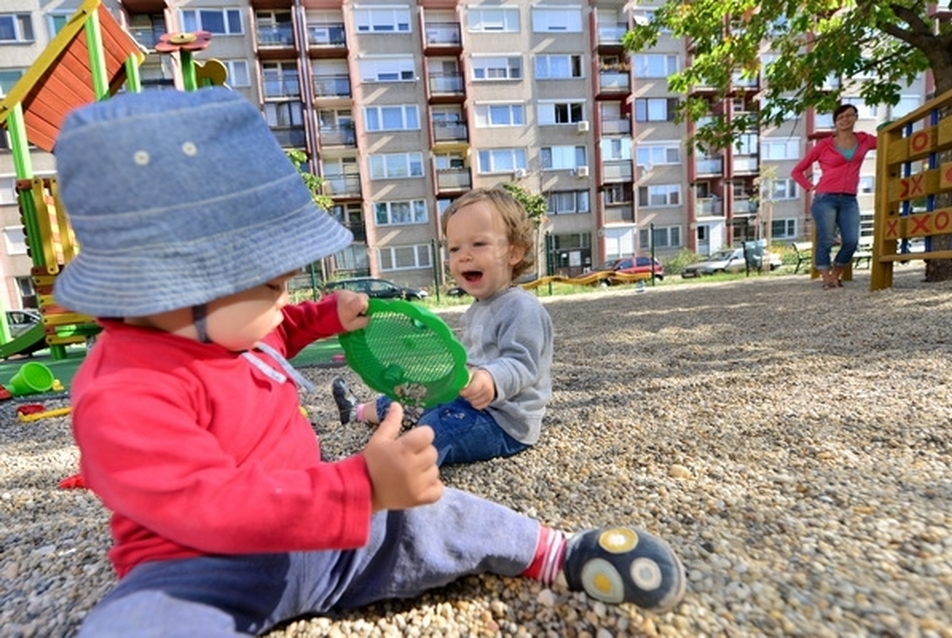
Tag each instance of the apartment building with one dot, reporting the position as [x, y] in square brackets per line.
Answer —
[403, 106]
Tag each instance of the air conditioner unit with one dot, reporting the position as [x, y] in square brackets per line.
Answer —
[583, 126]
[519, 173]
[581, 171]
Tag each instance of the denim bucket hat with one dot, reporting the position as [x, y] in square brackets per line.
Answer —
[178, 198]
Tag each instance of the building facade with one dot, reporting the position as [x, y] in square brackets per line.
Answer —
[404, 106]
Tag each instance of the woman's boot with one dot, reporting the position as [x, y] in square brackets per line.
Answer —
[836, 274]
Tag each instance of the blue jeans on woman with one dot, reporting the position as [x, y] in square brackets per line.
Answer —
[462, 433]
[831, 211]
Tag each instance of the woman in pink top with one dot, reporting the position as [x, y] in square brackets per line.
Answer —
[834, 203]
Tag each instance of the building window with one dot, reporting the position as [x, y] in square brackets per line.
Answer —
[654, 65]
[392, 118]
[501, 160]
[382, 19]
[616, 148]
[562, 157]
[493, 19]
[283, 114]
[558, 67]
[9, 77]
[396, 213]
[556, 19]
[238, 75]
[659, 195]
[568, 202]
[784, 189]
[16, 27]
[619, 193]
[404, 257]
[561, 113]
[655, 109]
[389, 69]
[216, 21]
[14, 240]
[396, 165]
[273, 28]
[659, 154]
[867, 184]
[55, 21]
[8, 190]
[747, 144]
[280, 80]
[783, 229]
[663, 237]
[500, 115]
[497, 68]
[780, 149]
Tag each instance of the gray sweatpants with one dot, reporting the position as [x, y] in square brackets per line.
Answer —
[409, 552]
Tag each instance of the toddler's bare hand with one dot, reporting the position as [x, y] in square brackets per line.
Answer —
[352, 309]
[402, 469]
[481, 389]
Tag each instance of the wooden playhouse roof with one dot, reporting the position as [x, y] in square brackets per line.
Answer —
[61, 79]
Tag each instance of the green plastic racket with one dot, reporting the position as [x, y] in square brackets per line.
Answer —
[407, 353]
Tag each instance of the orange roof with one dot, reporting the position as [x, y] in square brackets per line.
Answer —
[61, 78]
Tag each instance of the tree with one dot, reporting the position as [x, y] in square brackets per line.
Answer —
[313, 182]
[888, 43]
[536, 205]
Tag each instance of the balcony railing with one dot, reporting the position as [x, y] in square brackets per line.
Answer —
[744, 206]
[710, 166]
[745, 164]
[619, 213]
[611, 34]
[709, 207]
[615, 81]
[617, 171]
[620, 126]
[359, 231]
[331, 86]
[453, 179]
[338, 135]
[330, 34]
[147, 36]
[450, 131]
[275, 36]
[291, 137]
[342, 185]
[446, 83]
[443, 34]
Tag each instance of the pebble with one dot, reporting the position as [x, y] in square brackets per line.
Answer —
[790, 443]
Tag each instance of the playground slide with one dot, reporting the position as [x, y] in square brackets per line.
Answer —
[29, 342]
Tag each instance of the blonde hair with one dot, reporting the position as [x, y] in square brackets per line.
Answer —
[520, 231]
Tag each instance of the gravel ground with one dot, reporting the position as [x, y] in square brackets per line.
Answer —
[792, 444]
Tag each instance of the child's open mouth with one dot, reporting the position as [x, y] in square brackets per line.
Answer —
[472, 276]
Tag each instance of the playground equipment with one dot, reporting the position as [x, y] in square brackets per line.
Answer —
[31, 378]
[91, 58]
[909, 176]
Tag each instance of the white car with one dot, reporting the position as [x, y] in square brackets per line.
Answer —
[728, 260]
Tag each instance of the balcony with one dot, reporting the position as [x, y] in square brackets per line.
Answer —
[745, 164]
[326, 34]
[440, 35]
[619, 213]
[614, 82]
[619, 126]
[275, 37]
[709, 166]
[744, 206]
[450, 131]
[446, 83]
[147, 36]
[709, 207]
[290, 137]
[331, 86]
[342, 185]
[617, 171]
[453, 179]
[358, 229]
[338, 136]
[611, 35]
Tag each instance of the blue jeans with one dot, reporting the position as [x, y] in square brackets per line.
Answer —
[408, 552]
[829, 213]
[463, 434]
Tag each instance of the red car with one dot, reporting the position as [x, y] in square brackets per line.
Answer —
[631, 266]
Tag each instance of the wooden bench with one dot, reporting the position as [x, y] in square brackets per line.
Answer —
[804, 251]
[864, 252]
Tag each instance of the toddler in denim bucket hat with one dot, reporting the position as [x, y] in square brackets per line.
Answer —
[225, 520]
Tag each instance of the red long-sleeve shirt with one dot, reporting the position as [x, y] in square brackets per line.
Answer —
[839, 174]
[196, 451]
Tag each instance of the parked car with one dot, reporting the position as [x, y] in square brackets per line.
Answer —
[729, 260]
[19, 321]
[377, 288]
[631, 266]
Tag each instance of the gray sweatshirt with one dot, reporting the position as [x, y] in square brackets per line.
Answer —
[510, 336]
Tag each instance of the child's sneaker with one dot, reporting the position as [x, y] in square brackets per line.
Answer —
[620, 564]
[345, 400]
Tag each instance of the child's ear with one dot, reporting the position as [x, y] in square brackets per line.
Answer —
[516, 253]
